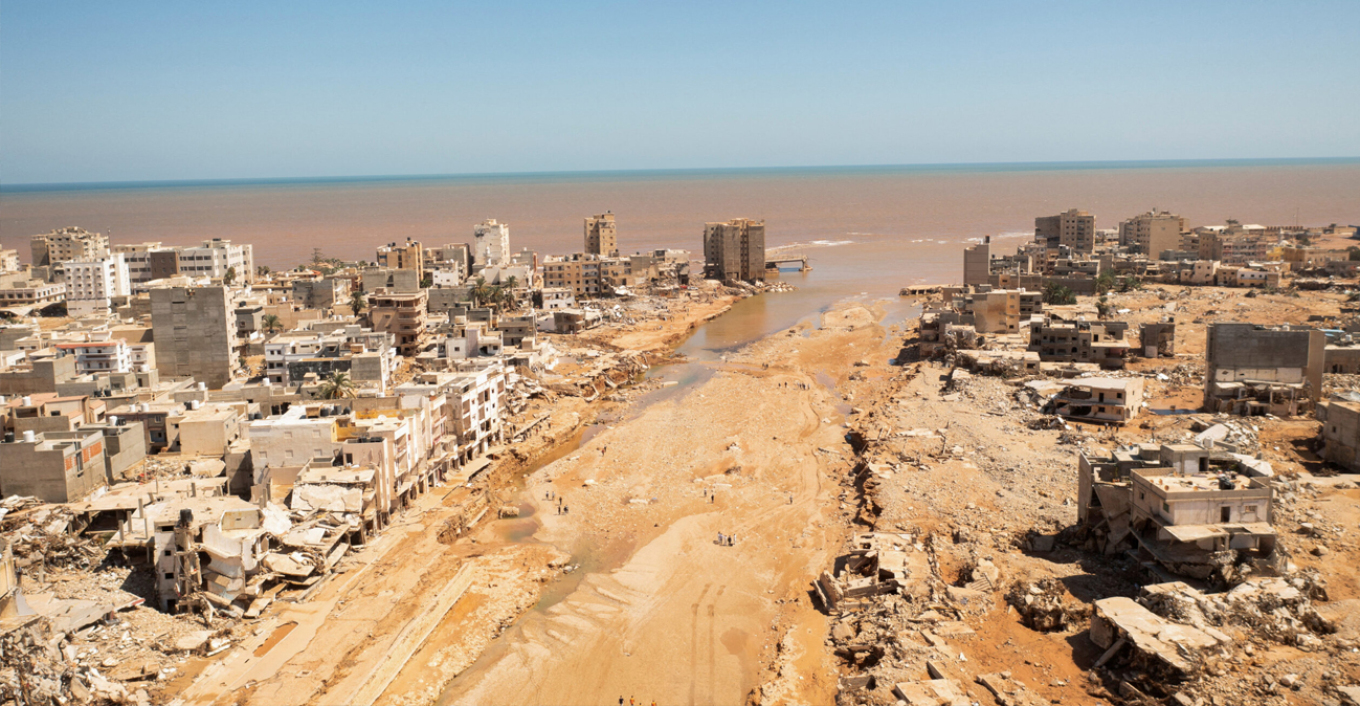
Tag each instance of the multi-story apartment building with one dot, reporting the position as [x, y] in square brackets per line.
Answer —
[491, 242]
[402, 256]
[1152, 233]
[66, 244]
[215, 258]
[34, 292]
[111, 356]
[735, 250]
[401, 314]
[195, 333]
[368, 356]
[91, 284]
[9, 261]
[601, 237]
[587, 275]
[1073, 228]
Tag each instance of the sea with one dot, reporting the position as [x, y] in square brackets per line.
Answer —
[867, 231]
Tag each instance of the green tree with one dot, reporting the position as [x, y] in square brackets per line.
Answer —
[1057, 294]
[271, 323]
[1104, 282]
[1130, 283]
[262, 270]
[229, 277]
[427, 281]
[357, 303]
[337, 385]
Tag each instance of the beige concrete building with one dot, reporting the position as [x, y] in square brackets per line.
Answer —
[56, 467]
[601, 237]
[1153, 232]
[65, 244]
[402, 256]
[735, 250]
[977, 263]
[1252, 370]
[401, 314]
[1108, 400]
[195, 333]
[586, 275]
[1072, 228]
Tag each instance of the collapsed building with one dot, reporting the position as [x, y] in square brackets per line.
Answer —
[1200, 512]
[1251, 370]
[1100, 400]
[1102, 343]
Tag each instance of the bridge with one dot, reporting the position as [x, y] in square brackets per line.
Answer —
[782, 260]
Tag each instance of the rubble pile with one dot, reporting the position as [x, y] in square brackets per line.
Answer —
[41, 536]
[1043, 605]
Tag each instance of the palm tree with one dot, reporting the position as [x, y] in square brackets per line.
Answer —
[271, 323]
[357, 303]
[229, 277]
[481, 293]
[511, 298]
[262, 270]
[336, 386]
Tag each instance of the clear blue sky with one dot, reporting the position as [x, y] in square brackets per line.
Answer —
[129, 90]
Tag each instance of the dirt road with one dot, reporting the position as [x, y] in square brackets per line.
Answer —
[756, 453]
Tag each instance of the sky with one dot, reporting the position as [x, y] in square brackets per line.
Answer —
[132, 91]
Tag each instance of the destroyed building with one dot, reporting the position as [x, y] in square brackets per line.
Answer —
[1101, 400]
[1340, 432]
[1252, 370]
[1200, 512]
[1102, 343]
[1158, 340]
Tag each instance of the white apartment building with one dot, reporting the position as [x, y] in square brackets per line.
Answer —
[33, 293]
[446, 278]
[148, 261]
[90, 284]
[9, 261]
[558, 298]
[492, 243]
[476, 403]
[323, 352]
[111, 356]
[215, 257]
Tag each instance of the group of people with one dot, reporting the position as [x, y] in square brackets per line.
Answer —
[726, 540]
[552, 495]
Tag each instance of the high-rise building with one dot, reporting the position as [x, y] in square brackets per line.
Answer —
[67, 244]
[1153, 232]
[492, 242]
[402, 256]
[90, 284]
[1073, 228]
[601, 238]
[195, 333]
[735, 250]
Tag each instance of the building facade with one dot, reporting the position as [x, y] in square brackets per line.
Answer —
[601, 237]
[1073, 228]
[735, 250]
[491, 242]
[402, 256]
[66, 244]
[194, 333]
[91, 284]
[1152, 233]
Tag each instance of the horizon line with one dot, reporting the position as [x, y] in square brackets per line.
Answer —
[941, 166]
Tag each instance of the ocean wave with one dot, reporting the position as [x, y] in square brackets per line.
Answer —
[813, 244]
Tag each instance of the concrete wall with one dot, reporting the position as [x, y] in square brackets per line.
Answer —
[977, 264]
[1241, 351]
[27, 470]
[194, 330]
[44, 376]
